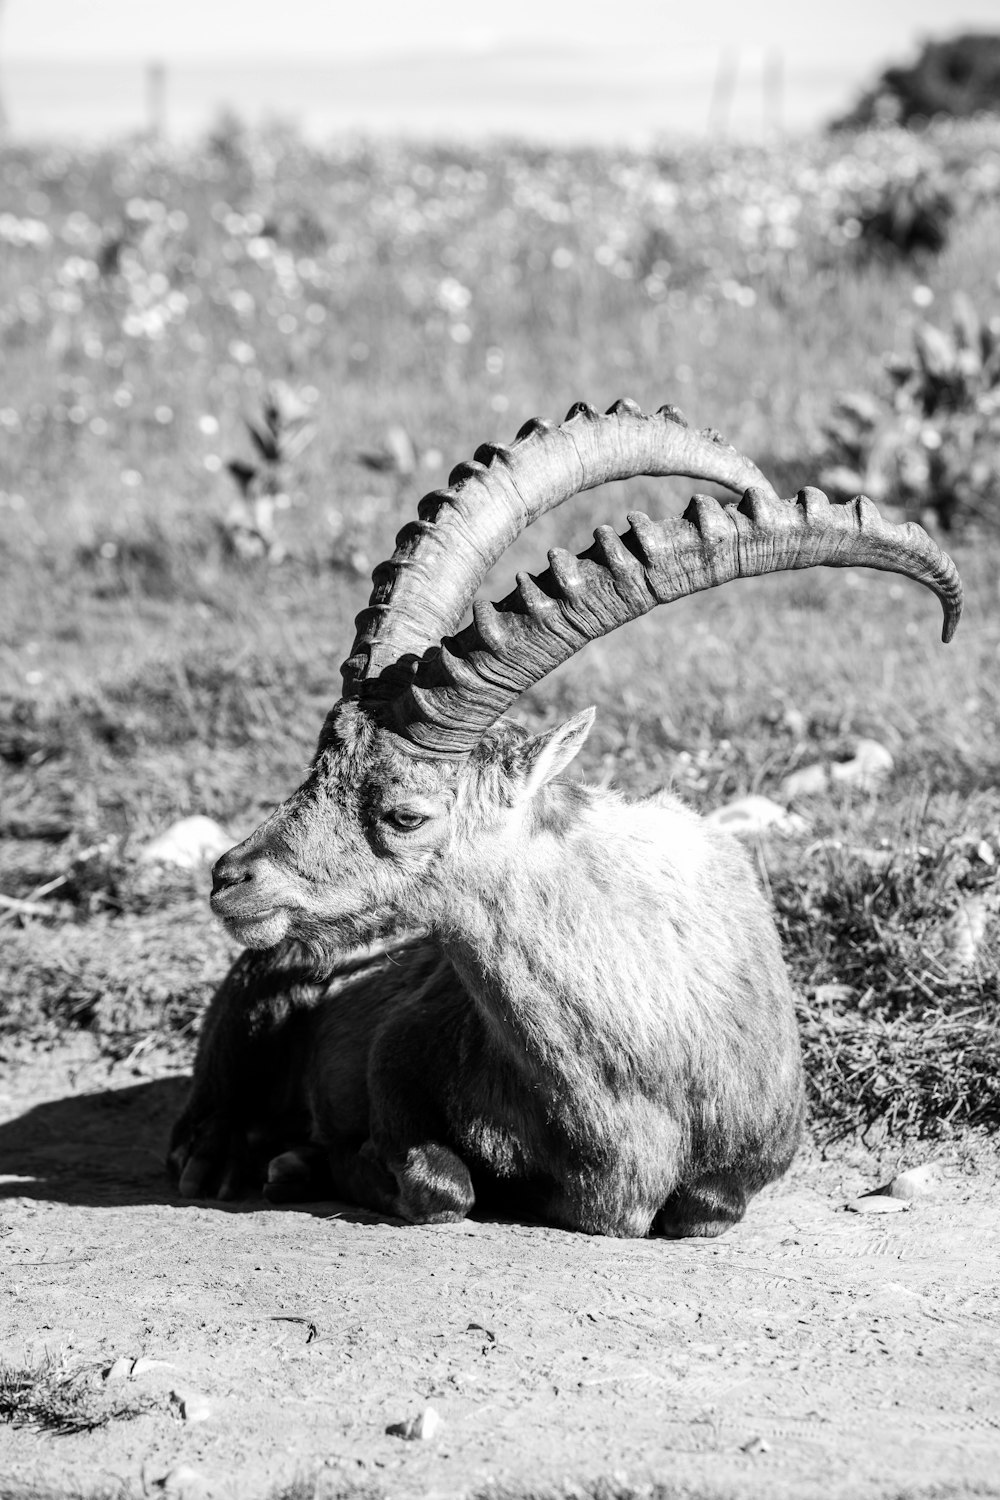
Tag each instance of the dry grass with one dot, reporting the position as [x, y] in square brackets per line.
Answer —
[900, 1025]
[148, 670]
[57, 1397]
[115, 1490]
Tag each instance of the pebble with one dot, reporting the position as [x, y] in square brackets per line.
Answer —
[870, 763]
[189, 844]
[184, 1483]
[965, 931]
[836, 994]
[807, 781]
[194, 1407]
[127, 1368]
[423, 1428]
[916, 1182]
[876, 1203]
[751, 815]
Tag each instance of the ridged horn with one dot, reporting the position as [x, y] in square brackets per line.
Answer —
[441, 559]
[461, 689]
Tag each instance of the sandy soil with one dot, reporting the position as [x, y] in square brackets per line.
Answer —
[809, 1352]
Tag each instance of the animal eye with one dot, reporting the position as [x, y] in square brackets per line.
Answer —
[405, 819]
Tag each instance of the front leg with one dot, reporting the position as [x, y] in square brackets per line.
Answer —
[434, 1186]
[431, 1186]
[407, 1167]
[246, 1097]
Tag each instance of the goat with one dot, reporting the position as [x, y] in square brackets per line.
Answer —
[473, 981]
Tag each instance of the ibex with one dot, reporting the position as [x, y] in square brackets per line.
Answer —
[571, 1006]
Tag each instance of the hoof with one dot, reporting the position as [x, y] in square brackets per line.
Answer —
[298, 1176]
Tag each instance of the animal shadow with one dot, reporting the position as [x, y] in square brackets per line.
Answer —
[107, 1150]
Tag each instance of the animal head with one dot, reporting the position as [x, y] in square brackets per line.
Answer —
[417, 773]
[374, 836]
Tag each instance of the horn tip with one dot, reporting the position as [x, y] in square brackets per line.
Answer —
[952, 615]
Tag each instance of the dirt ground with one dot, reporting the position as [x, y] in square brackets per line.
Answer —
[811, 1351]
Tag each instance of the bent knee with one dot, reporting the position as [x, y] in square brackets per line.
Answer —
[435, 1186]
[702, 1209]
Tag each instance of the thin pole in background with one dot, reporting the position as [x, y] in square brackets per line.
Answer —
[720, 106]
[156, 99]
[774, 92]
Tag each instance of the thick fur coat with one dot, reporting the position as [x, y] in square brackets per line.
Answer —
[588, 1020]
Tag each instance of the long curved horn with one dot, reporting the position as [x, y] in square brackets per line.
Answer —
[441, 559]
[460, 690]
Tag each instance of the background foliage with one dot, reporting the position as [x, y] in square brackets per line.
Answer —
[958, 77]
[229, 372]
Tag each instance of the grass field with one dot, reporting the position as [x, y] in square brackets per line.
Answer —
[148, 296]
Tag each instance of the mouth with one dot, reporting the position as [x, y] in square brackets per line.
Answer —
[261, 929]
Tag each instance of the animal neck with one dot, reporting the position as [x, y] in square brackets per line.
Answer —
[544, 932]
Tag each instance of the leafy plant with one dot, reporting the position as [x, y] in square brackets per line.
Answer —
[908, 215]
[280, 432]
[930, 441]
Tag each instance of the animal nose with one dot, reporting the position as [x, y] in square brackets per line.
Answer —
[232, 869]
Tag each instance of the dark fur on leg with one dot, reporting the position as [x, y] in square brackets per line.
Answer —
[408, 1167]
[703, 1209]
[247, 1098]
[299, 1175]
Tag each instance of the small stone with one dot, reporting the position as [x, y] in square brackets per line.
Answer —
[807, 781]
[121, 1369]
[915, 1182]
[870, 764]
[836, 994]
[420, 1429]
[876, 1203]
[150, 1366]
[794, 721]
[747, 816]
[756, 1445]
[965, 930]
[184, 1483]
[192, 1405]
[189, 844]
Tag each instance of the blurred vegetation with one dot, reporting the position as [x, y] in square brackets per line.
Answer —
[327, 332]
[957, 77]
[929, 441]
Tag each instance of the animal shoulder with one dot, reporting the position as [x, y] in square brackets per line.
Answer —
[673, 836]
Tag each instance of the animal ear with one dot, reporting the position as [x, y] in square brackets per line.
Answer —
[545, 755]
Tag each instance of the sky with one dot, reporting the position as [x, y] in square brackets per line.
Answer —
[562, 69]
[189, 29]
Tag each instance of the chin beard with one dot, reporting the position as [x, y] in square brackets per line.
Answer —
[332, 942]
[261, 932]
